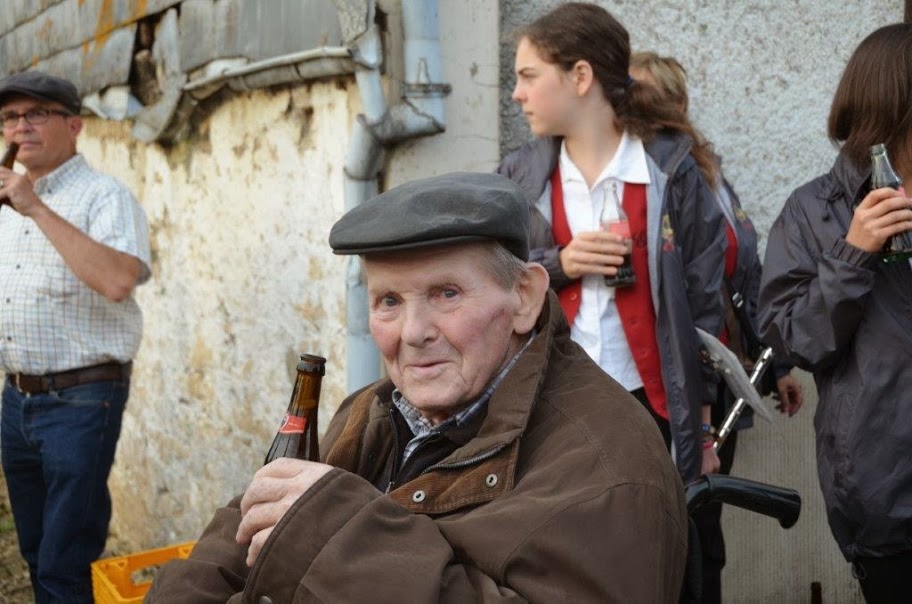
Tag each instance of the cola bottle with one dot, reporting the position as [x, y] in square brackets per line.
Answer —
[297, 436]
[616, 222]
[899, 246]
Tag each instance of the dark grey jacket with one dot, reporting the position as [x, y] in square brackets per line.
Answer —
[847, 317]
[746, 281]
[686, 249]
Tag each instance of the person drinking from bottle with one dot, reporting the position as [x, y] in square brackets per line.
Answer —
[830, 302]
[74, 244]
[497, 463]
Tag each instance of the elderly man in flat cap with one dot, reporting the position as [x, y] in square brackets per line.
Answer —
[73, 245]
[497, 463]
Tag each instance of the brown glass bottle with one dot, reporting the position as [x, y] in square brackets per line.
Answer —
[899, 246]
[7, 161]
[297, 436]
[619, 225]
[816, 593]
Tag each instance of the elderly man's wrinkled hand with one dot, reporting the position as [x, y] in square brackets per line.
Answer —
[275, 487]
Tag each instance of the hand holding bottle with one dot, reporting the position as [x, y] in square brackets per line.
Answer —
[883, 219]
[614, 221]
[274, 489]
[882, 214]
[593, 253]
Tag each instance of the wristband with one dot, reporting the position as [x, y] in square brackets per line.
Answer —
[708, 435]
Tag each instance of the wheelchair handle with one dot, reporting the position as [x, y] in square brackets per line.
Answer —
[781, 503]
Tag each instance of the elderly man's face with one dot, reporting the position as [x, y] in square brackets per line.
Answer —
[444, 325]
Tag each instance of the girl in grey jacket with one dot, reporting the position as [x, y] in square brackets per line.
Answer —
[829, 301]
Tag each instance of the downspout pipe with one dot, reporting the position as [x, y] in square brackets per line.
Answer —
[421, 112]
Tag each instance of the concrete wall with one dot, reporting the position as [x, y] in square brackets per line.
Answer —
[761, 78]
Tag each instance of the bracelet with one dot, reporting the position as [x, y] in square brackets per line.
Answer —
[709, 435]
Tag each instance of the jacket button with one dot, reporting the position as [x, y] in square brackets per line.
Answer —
[418, 496]
[491, 480]
[264, 600]
[572, 296]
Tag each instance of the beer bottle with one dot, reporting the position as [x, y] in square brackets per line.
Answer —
[297, 436]
[816, 593]
[7, 161]
[899, 246]
[616, 222]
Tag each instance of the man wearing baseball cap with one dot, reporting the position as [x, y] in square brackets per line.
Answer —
[73, 245]
[496, 463]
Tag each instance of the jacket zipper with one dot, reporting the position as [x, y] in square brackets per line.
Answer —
[466, 462]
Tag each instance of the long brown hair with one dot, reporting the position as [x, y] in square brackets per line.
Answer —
[577, 31]
[873, 102]
[671, 79]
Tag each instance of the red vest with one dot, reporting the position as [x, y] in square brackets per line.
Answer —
[634, 303]
[731, 263]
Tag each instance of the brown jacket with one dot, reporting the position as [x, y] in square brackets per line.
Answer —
[566, 494]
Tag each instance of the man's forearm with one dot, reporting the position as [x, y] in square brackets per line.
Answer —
[111, 273]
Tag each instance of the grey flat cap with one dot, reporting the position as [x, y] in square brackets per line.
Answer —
[42, 86]
[452, 208]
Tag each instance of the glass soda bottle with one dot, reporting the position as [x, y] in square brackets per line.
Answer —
[297, 436]
[617, 223]
[899, 246]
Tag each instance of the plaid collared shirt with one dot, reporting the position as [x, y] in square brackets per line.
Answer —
[50, 320]
[423, 429]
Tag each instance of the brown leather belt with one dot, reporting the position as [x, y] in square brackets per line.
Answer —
[41, 384]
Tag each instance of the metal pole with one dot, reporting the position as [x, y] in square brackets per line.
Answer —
[763, 362]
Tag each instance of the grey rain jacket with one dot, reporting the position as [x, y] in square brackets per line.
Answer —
[686, 249]
[846, 316]
[746, 281]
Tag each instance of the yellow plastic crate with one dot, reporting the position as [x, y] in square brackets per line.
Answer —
[112, 578]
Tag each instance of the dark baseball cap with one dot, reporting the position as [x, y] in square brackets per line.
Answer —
[40, 85]
[452, 208]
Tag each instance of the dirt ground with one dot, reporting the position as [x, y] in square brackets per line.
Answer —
[15, 587]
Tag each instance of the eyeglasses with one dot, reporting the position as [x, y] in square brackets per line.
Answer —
[35, 117]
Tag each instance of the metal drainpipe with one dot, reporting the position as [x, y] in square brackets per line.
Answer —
[420, 113]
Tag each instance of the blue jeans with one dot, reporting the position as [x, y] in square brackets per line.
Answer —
[57, 450]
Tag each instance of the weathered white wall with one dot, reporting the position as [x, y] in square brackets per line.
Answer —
[761, 79]
[243, 281]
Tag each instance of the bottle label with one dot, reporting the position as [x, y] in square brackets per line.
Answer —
[621, 228]
[292, 424]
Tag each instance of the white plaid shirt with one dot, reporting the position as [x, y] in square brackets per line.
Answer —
[50, 320]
